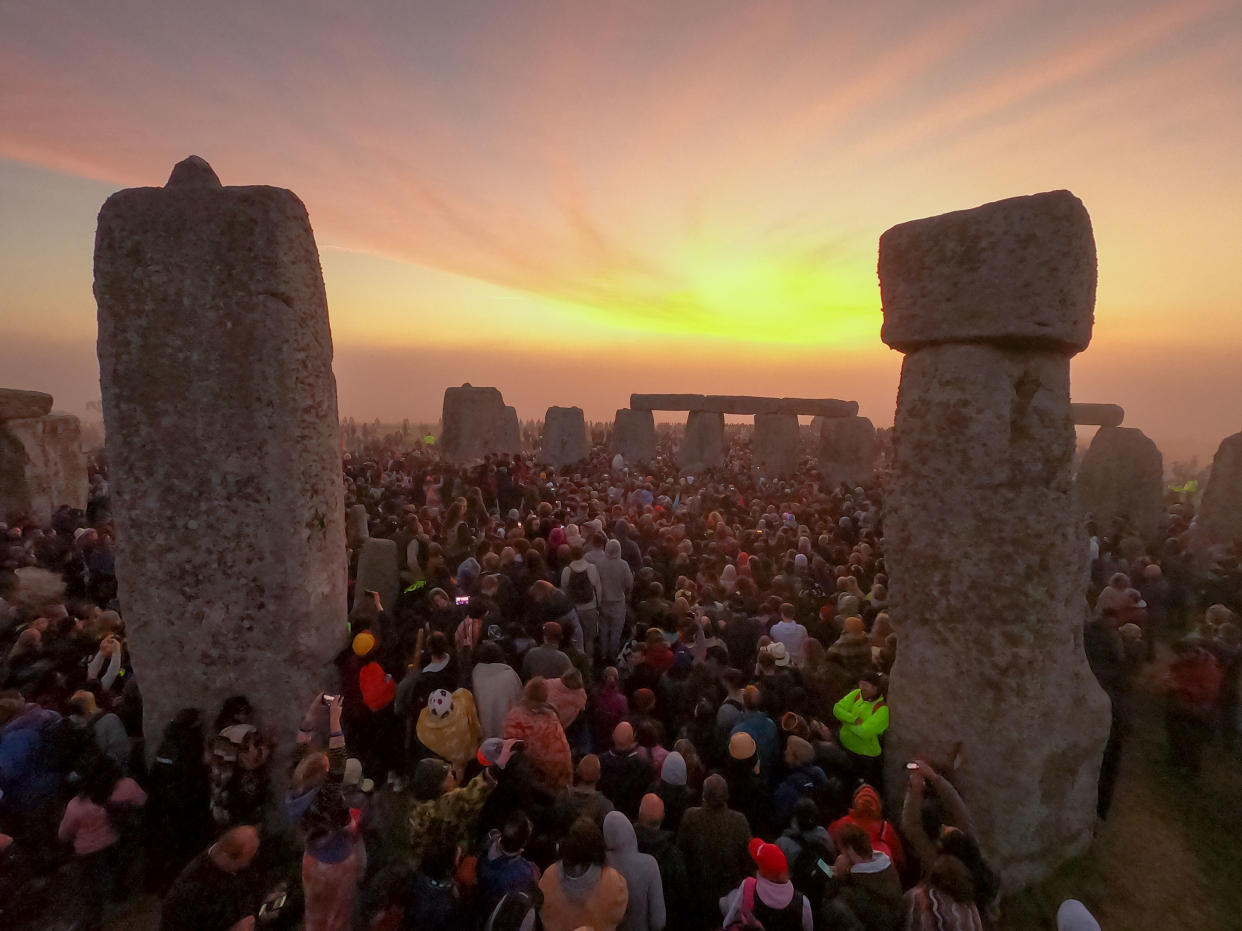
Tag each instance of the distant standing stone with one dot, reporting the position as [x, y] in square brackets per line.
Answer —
[847, 450]
[356, 529]
[703, 444]
[634, 435]
[378, 571]
[1219, 520]
[1121, 478]
[565, 440]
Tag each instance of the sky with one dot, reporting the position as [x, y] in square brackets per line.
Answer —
[574, 201]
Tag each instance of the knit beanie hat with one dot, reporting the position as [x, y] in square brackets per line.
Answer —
[673, 771]
[770, 859]
[623, 736]
[364, 643]
[741, 746]
[867, 804]
[854, 626]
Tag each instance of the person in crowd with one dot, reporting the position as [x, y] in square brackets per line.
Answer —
[768, 898]
[1193, 684]
[534, 721]
[496, 687]
[867, 812]
[645, 908]
[661, 844]
[580, 890]
[624, 774]
[580, 581]
[547, 661]
[714, 841]
[218, 890]
[868, 887]
[90, 825]
[502, 868]
[583, 799]
[944, 900]
[863, 714]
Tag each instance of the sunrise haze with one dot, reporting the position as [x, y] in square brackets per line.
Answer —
[577, 201]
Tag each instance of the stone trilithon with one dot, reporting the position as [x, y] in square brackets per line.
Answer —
[986, 559]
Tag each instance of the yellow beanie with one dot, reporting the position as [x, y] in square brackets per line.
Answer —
[364, 643]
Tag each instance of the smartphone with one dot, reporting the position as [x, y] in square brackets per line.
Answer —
[329, 699]
[462, 599]
[273, 906]
[912, 766]
[825, 868]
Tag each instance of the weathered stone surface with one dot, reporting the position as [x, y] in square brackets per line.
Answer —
[15, 403]
[215, 359]
[1121, 477]
[847, 450]
[1020, 272]
[565, 440]
[477, 422]
[357, 530]
[986, 562]
[1219, 520]
[743, 404]
[42, 465]
[1099, 415]
[703, 444]
[513, 432]
[634, 435]
[776, 444]
[378, 571]
[987, 574]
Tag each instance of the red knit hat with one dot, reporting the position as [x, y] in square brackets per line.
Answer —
[770, 859]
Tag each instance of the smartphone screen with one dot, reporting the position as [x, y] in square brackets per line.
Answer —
[463, 599]
[826, 868]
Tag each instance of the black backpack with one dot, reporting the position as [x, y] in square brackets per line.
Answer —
[579, 587]
[806, 873]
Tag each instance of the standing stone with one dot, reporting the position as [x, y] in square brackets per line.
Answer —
[379, 571]
[847, 450]
[357, 530]
[565, 440]
[215, 359]
[512, 442]
[476, 422]
[1219, 521]
[42, 465]
[987, 566]
[634, 435]
[776, 444]
[1121, 478]
[703, 445]
[16, 404]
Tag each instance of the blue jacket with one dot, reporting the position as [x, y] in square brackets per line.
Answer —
[26, 776]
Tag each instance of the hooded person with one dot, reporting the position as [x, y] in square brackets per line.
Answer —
[672, 790]
[502, 869]
[616, 578]
[868, 887]
[496, 687]
[768, 898]
[535, 721]
[867, 812]
[449, 726]
[580, 889]
[1073, 916]
[645, 911]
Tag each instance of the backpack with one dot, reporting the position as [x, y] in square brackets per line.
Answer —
[805, 872]
[579, 587]
[746, 920]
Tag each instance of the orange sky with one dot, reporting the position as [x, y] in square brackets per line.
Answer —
[576, 201]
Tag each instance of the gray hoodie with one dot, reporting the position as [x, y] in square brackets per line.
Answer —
[642, 875]
[615, 576]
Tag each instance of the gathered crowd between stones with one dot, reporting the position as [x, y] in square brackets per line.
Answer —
[605, 697]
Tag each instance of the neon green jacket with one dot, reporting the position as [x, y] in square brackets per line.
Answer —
[864, 738]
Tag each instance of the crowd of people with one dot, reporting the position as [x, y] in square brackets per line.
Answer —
[606, 698]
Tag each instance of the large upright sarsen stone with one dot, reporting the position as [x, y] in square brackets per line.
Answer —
[476, 422]
[702, 447]
[42, 465]
[847, 450]
[776, 444]
[634, 435]
[986, 563]
[215, 360]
